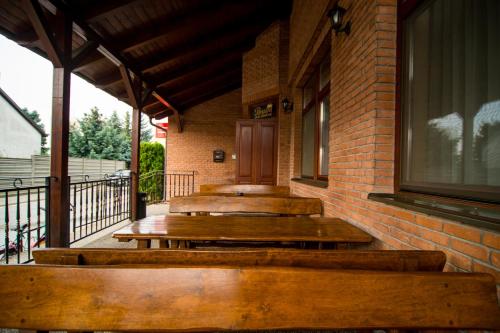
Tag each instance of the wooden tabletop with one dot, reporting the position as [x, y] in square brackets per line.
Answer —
[242, 194]
[243, 228]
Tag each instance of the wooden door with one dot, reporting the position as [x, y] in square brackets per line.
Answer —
[256, 152]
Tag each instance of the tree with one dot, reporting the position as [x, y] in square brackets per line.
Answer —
[86, 137]
[146, 134]
[35, 116]
[151, 163]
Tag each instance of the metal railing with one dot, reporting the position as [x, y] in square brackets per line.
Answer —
[160, 186]
[24, 213]
[97, 204]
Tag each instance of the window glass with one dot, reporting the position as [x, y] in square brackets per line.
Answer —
[308, 121]
[324, 127]
[451, 95]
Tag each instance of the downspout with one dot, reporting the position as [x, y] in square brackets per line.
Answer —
[164, 157]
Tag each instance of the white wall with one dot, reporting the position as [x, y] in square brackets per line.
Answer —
[18, 138]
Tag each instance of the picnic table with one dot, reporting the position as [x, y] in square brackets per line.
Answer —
[180, 230]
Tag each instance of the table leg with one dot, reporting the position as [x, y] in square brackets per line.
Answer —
[144, 243]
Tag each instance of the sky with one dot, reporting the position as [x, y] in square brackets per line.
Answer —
[27, 78]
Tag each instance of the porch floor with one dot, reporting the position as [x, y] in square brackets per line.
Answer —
[104, 239]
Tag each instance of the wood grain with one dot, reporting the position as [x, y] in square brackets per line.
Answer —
[231, 188]
[240, 228]
[224, 204]
[208, 299]
[367, 260]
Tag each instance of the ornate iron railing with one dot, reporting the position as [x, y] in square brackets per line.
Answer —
[97, 204]
[160, 186]
[24, 213]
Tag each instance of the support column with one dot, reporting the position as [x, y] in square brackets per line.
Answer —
[135, 162]
[59, 182]
[133, 86]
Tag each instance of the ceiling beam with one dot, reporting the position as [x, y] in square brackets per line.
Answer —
[101, 9]
[193, 62]
[179, 84]
[242, 30]
[204, 13]
[200, 74]
[169, 106]
[210, 95]
[41, 26]
[204, 86]
[82, 53]
[89, 61]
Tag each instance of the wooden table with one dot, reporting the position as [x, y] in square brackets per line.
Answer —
[242, 194]
[179, 230]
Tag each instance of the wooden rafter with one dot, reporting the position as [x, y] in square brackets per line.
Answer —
[89, 61]
[130, 86]
[41, 26]
[169, 106]
[221, 80]
[242, 31]
[103, 9]
[83, 53]
[167, 25]
[204, 72]
[210, 94]
[212, 58]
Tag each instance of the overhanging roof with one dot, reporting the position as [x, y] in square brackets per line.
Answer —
[190, 50]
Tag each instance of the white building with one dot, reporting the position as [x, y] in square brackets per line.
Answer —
[20, 137]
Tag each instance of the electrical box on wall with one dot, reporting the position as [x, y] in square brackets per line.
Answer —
[219, 156]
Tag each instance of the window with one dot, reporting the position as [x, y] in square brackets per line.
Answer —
[315, 123]
[450, 99]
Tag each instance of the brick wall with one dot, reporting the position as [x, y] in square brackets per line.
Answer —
[265, 75]
[362, 122]
[207, 126]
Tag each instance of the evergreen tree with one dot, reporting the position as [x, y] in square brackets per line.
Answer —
[35, 116]
[146, 134]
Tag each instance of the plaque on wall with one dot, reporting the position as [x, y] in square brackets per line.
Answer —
[263, 111]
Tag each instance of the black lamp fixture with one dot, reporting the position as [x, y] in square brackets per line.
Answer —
[336, 15]
[287, 105]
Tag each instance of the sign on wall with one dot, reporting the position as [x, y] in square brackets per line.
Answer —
[263, 111]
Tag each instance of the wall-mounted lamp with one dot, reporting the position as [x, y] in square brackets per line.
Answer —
[336, 15]
[287, 105]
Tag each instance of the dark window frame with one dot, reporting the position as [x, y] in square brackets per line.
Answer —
[318, 97]
[470, 195]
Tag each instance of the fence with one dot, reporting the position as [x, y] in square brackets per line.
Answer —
[23, 216]
[34, 169]
[98, 204]
[24, 211]
[160, 186]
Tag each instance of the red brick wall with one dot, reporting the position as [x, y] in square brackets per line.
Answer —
[208, 126]
[265, 74]
[362, 138]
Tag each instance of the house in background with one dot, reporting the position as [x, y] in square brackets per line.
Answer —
[17, 127]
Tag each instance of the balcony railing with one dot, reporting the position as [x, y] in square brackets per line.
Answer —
[160, 186]
[23, 215]
[97, 204]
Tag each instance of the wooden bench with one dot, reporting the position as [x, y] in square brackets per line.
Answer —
[269, 205]
[232, 188]
[113, 298]
[367, 260]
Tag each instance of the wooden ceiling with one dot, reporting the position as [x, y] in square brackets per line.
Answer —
[188, 50]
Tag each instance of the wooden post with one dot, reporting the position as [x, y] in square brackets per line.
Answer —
[135, 162]
[134, 93]
[59, 183]
[57, 44]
